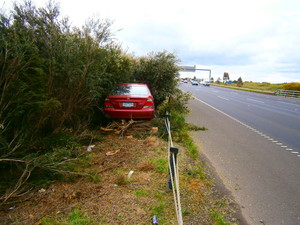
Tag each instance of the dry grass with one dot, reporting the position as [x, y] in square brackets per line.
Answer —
[117, 199]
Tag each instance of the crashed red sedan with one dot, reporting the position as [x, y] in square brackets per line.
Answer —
[130, 101]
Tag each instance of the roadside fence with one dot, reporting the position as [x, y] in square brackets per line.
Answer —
[173, 182]
[287, 93]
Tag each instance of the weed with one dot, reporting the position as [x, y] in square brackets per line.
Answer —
[218, 219]
[197, 173]
[94, 177]
[121, 179]
[158, 210]
[139, 193]
[186, 212]
[161, 165]
[195, 127]
[76, 217]
[48, 221]
[191, 147]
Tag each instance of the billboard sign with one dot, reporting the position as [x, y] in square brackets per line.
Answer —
[187, 68]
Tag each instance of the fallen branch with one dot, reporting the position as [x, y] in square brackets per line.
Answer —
[23, 178]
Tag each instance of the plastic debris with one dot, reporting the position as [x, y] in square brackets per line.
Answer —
[89, 148]
[154, 220]
[130, 174]
[11, 208]
[42, 190]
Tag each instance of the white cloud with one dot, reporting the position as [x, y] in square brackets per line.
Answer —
[255, 39]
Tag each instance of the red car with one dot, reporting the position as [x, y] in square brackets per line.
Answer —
[130, 101]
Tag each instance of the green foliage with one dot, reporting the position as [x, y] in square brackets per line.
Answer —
[160, 72]
[291, 86]
[177, 102]
[240, 82]
[53, 82]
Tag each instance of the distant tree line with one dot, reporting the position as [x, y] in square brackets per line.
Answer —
[54, 78]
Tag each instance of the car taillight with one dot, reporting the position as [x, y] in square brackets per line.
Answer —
[149, 104]
[107, 103]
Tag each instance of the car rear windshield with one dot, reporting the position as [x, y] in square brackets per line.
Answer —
[131, 90]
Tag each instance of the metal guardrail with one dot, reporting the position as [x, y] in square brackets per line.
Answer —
[173, 182]
[287, 93]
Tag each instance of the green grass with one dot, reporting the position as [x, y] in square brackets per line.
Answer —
[196, 173]
[161, 165]
[218, 219]
[140, 193]
[191, 147]
[76, 217]
[195, 127]
[263, 87]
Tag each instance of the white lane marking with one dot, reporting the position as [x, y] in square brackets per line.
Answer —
[223, 98]
[254, 100]
[251, 128]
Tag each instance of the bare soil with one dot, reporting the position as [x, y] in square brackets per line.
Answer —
[116, 199]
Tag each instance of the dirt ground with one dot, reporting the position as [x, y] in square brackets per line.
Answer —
[120, 196]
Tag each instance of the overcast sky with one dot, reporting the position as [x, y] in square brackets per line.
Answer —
[258, 40]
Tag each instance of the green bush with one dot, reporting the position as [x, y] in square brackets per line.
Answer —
[292, 86]
[160, 72]
[54, 79]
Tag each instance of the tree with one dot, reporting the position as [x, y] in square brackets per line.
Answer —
[225, 77]
[52, 80]
[160, 72]
[239, 82]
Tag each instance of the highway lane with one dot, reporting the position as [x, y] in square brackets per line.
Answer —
[276, 117]
[250, 142]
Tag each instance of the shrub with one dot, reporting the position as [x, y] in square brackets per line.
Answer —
[292, 86]
[159, 71]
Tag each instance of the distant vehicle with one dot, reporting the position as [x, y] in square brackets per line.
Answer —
[193, 82]
[185, 81]
[206, 83]
[130, 101]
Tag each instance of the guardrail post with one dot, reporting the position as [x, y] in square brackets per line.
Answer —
[173, 152]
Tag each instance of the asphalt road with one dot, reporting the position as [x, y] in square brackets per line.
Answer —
[253, 142]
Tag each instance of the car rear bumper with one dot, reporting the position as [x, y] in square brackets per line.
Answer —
[129, 114]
